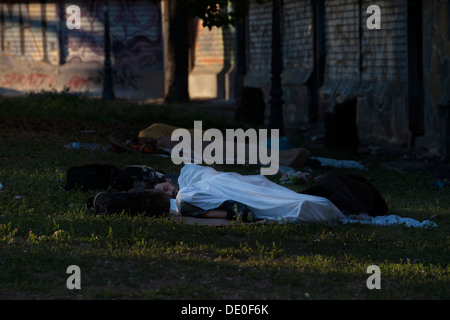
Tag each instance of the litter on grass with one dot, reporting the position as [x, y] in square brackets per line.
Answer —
[328, 162]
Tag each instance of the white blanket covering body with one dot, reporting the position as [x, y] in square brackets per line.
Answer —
[207, 189]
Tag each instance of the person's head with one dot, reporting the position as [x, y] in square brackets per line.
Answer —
[167, 185]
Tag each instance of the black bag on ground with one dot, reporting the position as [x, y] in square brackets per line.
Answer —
[149, 202]
[90, 177]
[134, 176]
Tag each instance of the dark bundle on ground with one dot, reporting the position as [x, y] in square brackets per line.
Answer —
[153, 203]
[90, 177]
[135, 176]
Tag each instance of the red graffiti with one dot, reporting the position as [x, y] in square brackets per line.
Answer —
[22, 80]
[39, 80]
[75, 82]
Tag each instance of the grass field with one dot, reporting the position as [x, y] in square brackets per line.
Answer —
[44, 229]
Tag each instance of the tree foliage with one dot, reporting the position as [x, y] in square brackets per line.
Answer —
[218, 13]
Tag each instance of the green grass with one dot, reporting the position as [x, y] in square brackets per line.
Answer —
[50, 106]
[44, 229]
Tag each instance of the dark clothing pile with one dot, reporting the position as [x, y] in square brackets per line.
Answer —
[352, 194]
[128, 190]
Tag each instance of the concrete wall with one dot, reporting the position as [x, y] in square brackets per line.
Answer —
[212, 62]
[38, 51]
[298, 57]
[371, 65]
[368, 64]
[436, 28]
[297, 52]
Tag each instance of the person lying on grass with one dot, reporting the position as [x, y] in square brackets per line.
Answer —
[201, 191]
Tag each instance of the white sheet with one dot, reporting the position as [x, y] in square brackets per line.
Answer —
[207, 189]
[394, 220]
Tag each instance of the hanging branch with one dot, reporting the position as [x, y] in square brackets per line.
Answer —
[214, 13]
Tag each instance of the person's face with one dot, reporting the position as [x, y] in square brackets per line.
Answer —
[169, 188]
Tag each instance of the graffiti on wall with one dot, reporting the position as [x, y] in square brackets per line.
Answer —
[33, 79]
[37, 51]
[39, 80]
[135, 28]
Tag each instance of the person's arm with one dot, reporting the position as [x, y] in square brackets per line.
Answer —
[230, 210]
[188, 209]
[215, 214]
